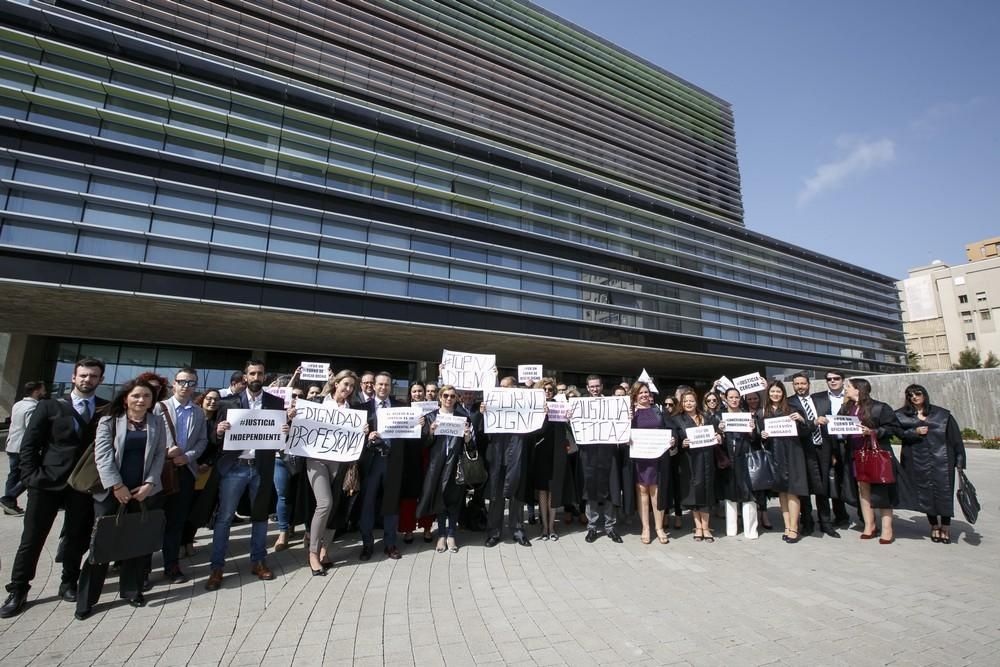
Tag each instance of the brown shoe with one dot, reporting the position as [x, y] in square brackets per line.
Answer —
[214, 581]
[262, 571]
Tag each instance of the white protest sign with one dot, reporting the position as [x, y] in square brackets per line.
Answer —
[398, 422]
[284, 393]
[513, 410]
[738, 422]
[466, 371]
[748, 384]
[255, 429]
[326, 432]
[558, 410]
[843, 425]
[599, 420]
[529, 373]
[644, 377]
[314, 371]
[650, 443]
[700, 436]
[453, 425]
[425, 406]
[724, 384]
[780, 427]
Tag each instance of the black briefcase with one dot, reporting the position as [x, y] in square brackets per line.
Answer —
[125, 535]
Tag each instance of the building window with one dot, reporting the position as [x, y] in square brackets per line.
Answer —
[967, 316]
[971, 337]
[963, 298]
[984, 315]
[981, 297]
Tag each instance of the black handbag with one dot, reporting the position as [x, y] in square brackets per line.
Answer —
[125, 535]
[760, 465]
[967, 498]
[473, 471]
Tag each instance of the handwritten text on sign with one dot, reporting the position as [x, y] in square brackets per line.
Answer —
[650, 443]
[558, 411]
[600, 420]
[738, 422]
[513, 410]
[451, 425]
[470, 372]
[700, 436]
[399, 422]
[529, 373]
[780, 427]
[843, 425]
[321, 432]
[748, 384]
[314, 371]
[255, 429]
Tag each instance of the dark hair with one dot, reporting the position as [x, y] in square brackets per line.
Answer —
[186, 369]
[594, 377]
[743, 404]
[237, 376]
[864, 401]
[908, 407]
[89, 362]
[200, 400]
[384, 374]
[30, 387]
[800, 374]
[151, 378]
[253, 362]
[116, 408]
[834, 371]
[783, 408]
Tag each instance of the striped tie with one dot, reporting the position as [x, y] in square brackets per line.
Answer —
[817, 435]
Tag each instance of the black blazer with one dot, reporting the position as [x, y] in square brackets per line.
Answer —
[54, 441]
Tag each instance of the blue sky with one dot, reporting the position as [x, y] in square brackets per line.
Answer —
[869, 131]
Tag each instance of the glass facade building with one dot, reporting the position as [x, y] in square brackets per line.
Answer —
[388, 178]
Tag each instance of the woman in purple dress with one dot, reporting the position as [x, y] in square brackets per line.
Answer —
[651, 475]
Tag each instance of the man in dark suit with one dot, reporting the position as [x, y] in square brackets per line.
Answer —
[817, 447]
[828, 403]
[57, 435]
[244, 470]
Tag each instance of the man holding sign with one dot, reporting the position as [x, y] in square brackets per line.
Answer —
[240, 470]
[816, 447]
[510, 415]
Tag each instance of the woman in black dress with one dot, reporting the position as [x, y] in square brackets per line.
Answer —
[932, 449]
[735, 480]
[791, 478]
[542, 462]
[697, 471]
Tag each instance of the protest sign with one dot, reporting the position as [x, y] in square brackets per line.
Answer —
[843, 425]
[600, 419]
[558, 411]
[644, 377]
[314, 371]
[723, 384]
[780, 427]
[700, 436]
[255, 429]
[470, 372]
[453, 425]
[284, 393]
[650, 443]
[325, 432]
[529, 373]
[398, 422]
[513, 410]
[748, 384]
[425, 406]
[738, 422]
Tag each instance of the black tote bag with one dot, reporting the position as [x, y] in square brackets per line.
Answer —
[967, 498]
[125, 535]
[761, 470]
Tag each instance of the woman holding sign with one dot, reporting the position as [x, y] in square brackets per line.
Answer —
[651, 475]
[791, 478]
[697, 464]
[735, 480]
[442, 494]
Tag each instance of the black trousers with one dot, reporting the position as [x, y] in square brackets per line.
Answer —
[131, 572]
[39, 515]
[176, 508]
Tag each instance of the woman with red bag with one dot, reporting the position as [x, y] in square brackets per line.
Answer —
[878, 425]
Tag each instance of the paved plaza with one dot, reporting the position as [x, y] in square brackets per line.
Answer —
[735, 602]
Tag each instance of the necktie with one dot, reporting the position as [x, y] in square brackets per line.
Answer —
[85, 411]
[817, 435]
[384, 403]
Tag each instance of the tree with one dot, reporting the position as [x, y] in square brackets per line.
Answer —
[968, 358]
[991, 361]
[913, 361]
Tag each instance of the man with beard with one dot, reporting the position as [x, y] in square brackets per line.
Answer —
[240, 471]
[508, 459]
[818, 456]
[601, 471]
[59, 432]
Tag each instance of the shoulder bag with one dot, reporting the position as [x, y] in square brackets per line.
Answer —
[872, 464]
[168, 478]
[967, 498]
[85, 477]
[760, 466]
[473, 470]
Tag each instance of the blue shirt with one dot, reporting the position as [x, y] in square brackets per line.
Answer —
[183, 421]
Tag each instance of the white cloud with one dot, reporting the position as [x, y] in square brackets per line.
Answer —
[933, 118]
[861, 157]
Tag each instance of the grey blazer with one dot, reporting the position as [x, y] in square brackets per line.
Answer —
[197, 439]
[108, 454]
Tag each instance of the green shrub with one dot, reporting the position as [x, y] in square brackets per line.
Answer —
[992, 443]
[971, 434]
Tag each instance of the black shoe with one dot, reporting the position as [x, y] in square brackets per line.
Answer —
[318, 573]
[175, 576]
[827, 530]
[10, 507]
[591, 536]
[392, 553]
[366, 552]
[14, 604]
[615, 537]
[522, 540]
[492, 541]
[137, 601]
[67, 592]
[83, 615]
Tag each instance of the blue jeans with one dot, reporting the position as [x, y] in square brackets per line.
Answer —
[280, 487]
[375, 479]
[14, 487]
[231, 487]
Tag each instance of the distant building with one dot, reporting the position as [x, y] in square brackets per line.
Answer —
[947, 309]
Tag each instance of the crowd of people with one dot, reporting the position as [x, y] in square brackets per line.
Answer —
[166, 452]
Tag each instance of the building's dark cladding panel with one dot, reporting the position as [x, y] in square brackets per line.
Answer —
[470, 166]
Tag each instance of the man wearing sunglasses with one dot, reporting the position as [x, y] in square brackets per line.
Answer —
[828, 403]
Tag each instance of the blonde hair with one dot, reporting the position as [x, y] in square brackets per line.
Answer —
[335, 380]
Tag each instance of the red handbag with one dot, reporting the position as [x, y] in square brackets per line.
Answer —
[872, 464]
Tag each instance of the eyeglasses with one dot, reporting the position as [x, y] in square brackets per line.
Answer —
[711, 400]
[298, 395]
[549, 389]
[834, 378]
[449, 395]
[915, 393]
[186, 383]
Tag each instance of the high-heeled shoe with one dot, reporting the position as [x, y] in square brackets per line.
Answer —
[321, 572]
[888, 541]
[452, 546]
[868, 536]
[644, 538]
[791, 540]
[935, 533]
[663, 536]
[945, 537]
[441, 546]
